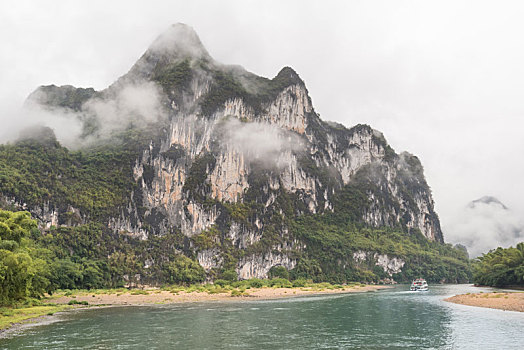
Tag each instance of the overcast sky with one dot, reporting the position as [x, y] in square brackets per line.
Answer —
[443, 80]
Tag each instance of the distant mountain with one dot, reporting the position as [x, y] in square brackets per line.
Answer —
[485, 224]
[487, 200]
[238, 169]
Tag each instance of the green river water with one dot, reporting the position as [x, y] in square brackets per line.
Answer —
[387, 319]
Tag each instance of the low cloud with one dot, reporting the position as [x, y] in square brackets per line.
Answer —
[484, 226]
[131, 105]
[259, 141]
[179, 40]
[66, 125]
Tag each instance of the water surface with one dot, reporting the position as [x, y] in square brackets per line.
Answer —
[388, 319]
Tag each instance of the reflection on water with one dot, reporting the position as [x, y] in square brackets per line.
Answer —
[390, 319]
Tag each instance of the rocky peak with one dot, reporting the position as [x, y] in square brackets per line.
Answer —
[289, 75]
[65, 96]
[487, 200]
[179, 41]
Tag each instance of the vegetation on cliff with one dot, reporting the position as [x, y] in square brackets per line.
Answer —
[329, 239]
[90, 256]
[91, 186]
[253, 90]
[83, 257]
[97, 182]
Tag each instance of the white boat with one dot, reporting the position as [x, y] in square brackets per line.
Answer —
[419, 285]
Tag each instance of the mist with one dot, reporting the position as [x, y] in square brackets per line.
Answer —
[66, 124]
[485, 226]
[260, 142]
[99, 118]
[134, 105]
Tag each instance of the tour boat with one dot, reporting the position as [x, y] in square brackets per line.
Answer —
[419, 285]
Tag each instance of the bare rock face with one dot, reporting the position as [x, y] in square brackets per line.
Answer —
[390, 264]
[258, 266]
[236, 148]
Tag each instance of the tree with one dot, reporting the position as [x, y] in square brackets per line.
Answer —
[18, 269]
[500, 267]
[184, 270]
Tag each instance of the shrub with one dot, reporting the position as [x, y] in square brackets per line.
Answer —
[139, 292]
[299, 283]
[217, 289]
[238, 293]
[221, 282]
[279, 283]
[255, 283]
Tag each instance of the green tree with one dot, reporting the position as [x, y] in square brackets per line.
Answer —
[500, 267]
[184, 270]
[22, 272]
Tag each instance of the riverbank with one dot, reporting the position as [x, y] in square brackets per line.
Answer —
[160, 296]
[513, 301]
[69, 300]
[10, 317]
[380, 320]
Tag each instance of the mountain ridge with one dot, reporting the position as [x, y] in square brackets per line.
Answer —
[232, 165]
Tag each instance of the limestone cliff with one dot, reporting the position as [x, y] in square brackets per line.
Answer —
[233, 149]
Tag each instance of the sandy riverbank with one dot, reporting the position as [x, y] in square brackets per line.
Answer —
[57, 303]
[503, 301]
[166, 297]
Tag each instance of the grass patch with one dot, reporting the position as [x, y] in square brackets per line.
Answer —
[139, 292]
[238, 293]
[10, 316]
[215, 289]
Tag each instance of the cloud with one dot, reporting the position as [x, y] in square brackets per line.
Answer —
[258, 141]
[66, 125]
[179, 40]
[482, 226]
[117, 109]
[135, 104]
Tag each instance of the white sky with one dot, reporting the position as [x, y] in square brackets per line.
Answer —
[443, 79]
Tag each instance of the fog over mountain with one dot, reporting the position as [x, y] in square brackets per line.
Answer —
[440, 80]
[485, 224]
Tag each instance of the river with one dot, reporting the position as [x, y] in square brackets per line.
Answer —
[388, 319]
